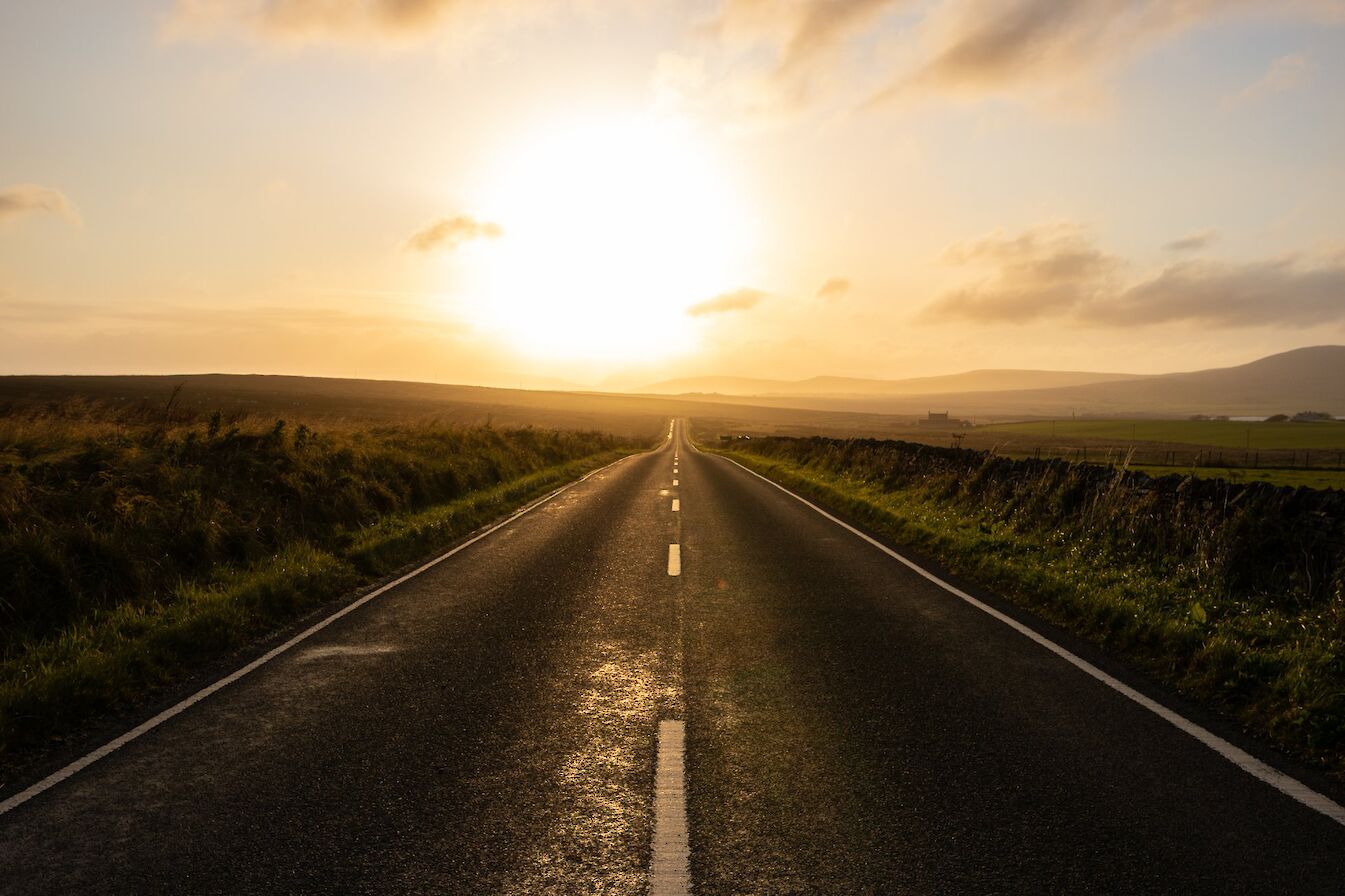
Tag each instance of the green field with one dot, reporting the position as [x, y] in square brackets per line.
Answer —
[1291, 478]
[1325, 436]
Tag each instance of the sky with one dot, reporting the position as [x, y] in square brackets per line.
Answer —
[606, 193]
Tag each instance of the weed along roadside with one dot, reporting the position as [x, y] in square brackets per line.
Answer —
[130, 557]
[1233, 593]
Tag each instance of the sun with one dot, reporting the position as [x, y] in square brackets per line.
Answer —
[610, 231]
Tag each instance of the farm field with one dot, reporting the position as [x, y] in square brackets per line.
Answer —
[1311, 455]
[1326, 435]
[1306, 454]
[1291, 478]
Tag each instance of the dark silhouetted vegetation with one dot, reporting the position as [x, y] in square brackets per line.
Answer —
[1235, 593]
[134, 548]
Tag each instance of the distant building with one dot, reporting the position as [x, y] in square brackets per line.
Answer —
[942, 420]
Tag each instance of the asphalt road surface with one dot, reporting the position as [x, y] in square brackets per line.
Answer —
[492, 725]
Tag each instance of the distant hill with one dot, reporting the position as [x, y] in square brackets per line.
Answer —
[1300, 380]
[378, 402]
[971, 381]
[1303, 379]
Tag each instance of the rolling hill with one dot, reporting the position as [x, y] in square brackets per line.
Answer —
[971, 381]
[1310, 378]
[1303, 379]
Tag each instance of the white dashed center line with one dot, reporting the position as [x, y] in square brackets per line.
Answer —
[677, 505]
[674, 559]
[670, 869]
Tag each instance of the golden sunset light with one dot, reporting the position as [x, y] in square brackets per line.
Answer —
[672, 447]
[1008, 188]
[610, 230]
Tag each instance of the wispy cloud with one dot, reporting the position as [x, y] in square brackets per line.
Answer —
[1045, 43]
[1284, 73]
[1284, 292]
[29, 199]
[739, 300]
[334, 21]
[896, 48]
[1058, 273]
[1039, 273]
[821, 26]
[1192, 242]
[801, 31]
[777, 52]
[449, 233]
[834, 288]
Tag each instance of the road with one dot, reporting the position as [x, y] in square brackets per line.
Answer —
[492, 725]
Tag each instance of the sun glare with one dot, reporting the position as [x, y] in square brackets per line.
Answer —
[610, 231]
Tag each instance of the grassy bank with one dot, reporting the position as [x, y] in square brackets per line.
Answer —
[1234, 593]
[130, 554]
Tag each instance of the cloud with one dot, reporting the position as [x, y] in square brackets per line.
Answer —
[800, 29]
[834, 288]
[1058, 273]
[1036, 274]
[777, 52]
[1192, 242]
[777, 58]
[1285, 73]
[822, 25]
[1282, 292]
[330, 21]
[29, 199]
[1048, 44]
[449, 233]
[739, 300]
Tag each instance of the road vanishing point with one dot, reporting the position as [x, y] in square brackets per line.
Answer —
[673, 677]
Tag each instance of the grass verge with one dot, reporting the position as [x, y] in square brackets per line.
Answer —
[116, 655]
[1169, 580]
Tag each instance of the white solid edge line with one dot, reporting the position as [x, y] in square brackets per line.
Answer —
[112, 746]
[669, 866]
[674, 559]
[1285, 784]
[677, 505]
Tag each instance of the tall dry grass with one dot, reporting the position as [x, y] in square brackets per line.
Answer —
[133, 548]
